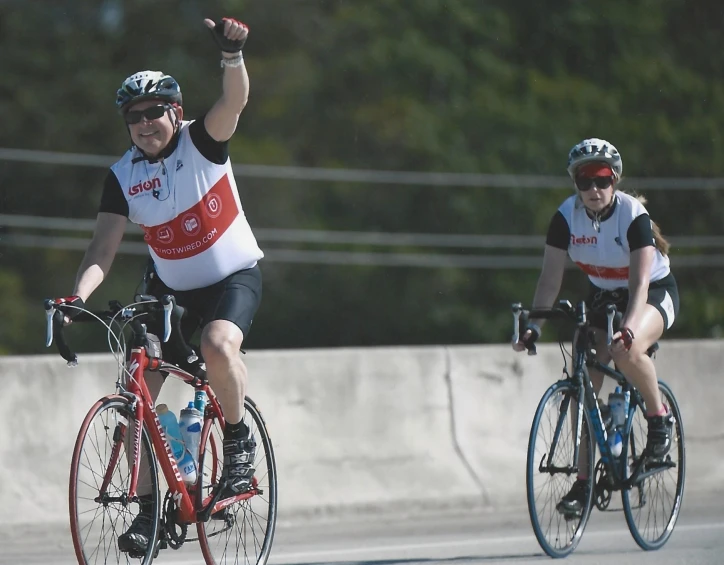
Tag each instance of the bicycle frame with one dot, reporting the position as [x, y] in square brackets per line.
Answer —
[584, 358]
[139, 397]
[145, 412]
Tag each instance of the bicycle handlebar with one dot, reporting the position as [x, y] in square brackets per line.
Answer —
[565, 310]
[55, 320]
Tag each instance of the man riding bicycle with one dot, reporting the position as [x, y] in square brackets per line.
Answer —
[177, 183]
[611, 237]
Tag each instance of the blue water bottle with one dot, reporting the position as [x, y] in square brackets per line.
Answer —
[171, 429]
[184, 459]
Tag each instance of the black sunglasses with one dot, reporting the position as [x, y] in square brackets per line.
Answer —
[150, 113]
[586, 183]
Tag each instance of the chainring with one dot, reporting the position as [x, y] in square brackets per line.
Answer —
[602, 490]
[174, 533]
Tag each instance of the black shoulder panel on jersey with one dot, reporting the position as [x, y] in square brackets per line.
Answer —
[113, 200]
[214, 151]
[559, 232]
[639, 233]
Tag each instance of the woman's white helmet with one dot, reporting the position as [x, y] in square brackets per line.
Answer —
[595, 149]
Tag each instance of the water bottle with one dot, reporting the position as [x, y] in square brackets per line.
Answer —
[617, 402]
[188, 468]
[605, 411]
[200, 400]
[190, 423]
[184, 459]
[615, 442]
[171, 429]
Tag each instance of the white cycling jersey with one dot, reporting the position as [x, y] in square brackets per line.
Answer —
[191, 213]
[603, 252]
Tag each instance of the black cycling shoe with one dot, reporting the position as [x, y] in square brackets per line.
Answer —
[136, 538]
[238, 472]
[658, 442]
[571, 505]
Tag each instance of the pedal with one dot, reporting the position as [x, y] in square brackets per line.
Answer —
[571, 516]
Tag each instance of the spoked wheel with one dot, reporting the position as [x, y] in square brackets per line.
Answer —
[246, 533]
[549, 478]
[652, 507]
[100, 476]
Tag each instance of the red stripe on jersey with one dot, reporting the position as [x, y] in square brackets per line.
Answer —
[194, 230]
[611, 273]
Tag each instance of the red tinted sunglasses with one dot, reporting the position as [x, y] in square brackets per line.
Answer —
[586, 183]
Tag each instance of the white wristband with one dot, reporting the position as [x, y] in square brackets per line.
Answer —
[232, 61]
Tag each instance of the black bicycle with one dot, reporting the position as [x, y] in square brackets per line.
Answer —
[568, 418]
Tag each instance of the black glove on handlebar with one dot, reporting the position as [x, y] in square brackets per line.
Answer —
[534, 334]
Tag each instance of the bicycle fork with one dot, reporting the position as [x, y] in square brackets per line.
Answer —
[586, 397]
[546, 464]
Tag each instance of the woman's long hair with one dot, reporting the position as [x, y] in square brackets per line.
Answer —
[659, 240]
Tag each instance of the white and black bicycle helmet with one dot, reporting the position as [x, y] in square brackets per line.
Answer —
[595, 149]
[148, 85]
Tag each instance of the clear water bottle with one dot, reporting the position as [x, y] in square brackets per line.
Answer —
[190, 424]
[184, 459]
[615, 442]
[188, 468]
[613, 435]
[605, 411]
[617, 402]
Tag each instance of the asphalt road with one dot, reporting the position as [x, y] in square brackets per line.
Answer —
[466, 537]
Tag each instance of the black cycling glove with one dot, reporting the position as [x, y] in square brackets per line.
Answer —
[225, 44]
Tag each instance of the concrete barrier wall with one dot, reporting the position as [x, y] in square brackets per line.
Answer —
[351, 428]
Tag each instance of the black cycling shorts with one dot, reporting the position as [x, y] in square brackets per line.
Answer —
[663, 295]
[236, 299]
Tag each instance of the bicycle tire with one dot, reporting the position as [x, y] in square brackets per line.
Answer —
[215, 536]
[553, 542]
[110, 414]
[635, 499]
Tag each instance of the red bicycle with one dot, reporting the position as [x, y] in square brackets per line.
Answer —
[121, 444]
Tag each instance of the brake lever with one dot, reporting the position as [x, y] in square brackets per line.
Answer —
[49, 313]
[517, 309]
[169, 303]
[610, 315]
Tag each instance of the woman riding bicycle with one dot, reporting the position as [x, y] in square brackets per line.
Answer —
[611, 237]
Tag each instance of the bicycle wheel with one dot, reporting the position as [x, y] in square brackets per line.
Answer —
[246, 535]
[557, 534]
[652, 507]
[99, 515]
